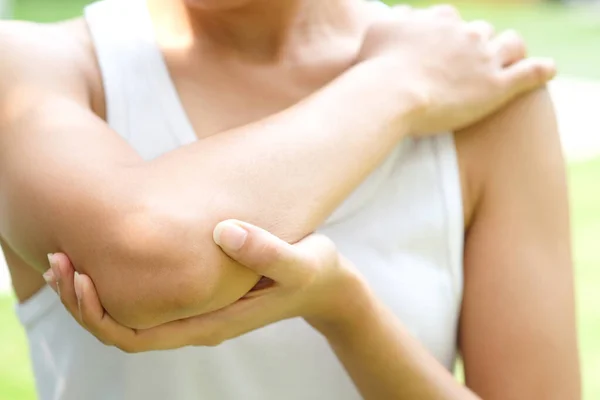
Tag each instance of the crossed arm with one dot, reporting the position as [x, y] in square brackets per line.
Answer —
[142, 230]
[70, 184]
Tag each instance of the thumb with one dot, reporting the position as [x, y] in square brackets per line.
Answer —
[259, 250]
[529, 74]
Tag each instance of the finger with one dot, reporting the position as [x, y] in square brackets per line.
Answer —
[528, 74]
[81, 299]
[210, 329]
[259, 250]
[320, 249]
[78, 295]
[400, 9]
[246, 316]
[216, 327]
[97, 321]
[64, 272]
[509, 48]
[100, 324]
[446, 11]
[482, 29]
[51, 278]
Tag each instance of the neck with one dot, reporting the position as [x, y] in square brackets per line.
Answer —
[264, 29]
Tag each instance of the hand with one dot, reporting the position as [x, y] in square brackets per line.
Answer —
[308, 279]
[457, 72]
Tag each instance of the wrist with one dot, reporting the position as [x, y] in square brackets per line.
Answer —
[347, 314]
[384, 90]
[408, 88]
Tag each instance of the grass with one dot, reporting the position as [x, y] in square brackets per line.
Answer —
[569, 35]
[585, 203]
[47, 10]
[16, 380]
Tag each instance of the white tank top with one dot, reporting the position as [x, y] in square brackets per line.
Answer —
[403, 228]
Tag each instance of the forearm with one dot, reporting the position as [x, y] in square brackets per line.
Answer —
[286, 173]
[382, 358]
[130, 224]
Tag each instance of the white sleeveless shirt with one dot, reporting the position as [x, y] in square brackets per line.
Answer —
[402, 228]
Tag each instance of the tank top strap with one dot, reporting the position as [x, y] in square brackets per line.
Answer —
[134, 73]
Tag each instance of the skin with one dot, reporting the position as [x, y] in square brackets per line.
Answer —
[150, 222]
[502, 160]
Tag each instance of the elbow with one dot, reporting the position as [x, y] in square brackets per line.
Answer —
[145, 271]
[162, 267]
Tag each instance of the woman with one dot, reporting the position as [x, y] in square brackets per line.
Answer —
[137, 215]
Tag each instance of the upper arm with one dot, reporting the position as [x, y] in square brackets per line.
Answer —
[68, 183]
[517, 329]
[56, 156]
[64, 175]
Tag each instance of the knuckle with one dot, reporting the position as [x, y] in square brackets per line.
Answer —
[267, 252]
[212, 339]
[128, 347]
[520, 47]
[480, 30]
[214, 342]
[538, 73]
[421, 98]
[514, 39]
[323, 252]
[487, 55]
[105, 341]
[327, 245]
[513, 34]
[474, 34]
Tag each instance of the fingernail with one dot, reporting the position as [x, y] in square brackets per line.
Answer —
[230, 236]
[78, 293]
[55, 271]
[49, 276]
[77, 284]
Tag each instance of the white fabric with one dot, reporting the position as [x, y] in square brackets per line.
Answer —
[402, 227]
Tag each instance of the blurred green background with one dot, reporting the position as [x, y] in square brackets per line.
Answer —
[569, 34]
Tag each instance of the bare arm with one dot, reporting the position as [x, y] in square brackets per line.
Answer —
[68, 183]
[517, 332]
[381, 356]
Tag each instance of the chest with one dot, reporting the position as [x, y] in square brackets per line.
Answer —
[402, 227]
[218, 94]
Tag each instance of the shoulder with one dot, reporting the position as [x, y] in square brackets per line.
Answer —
[529, 120]
[518, 143]
[38, 59]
